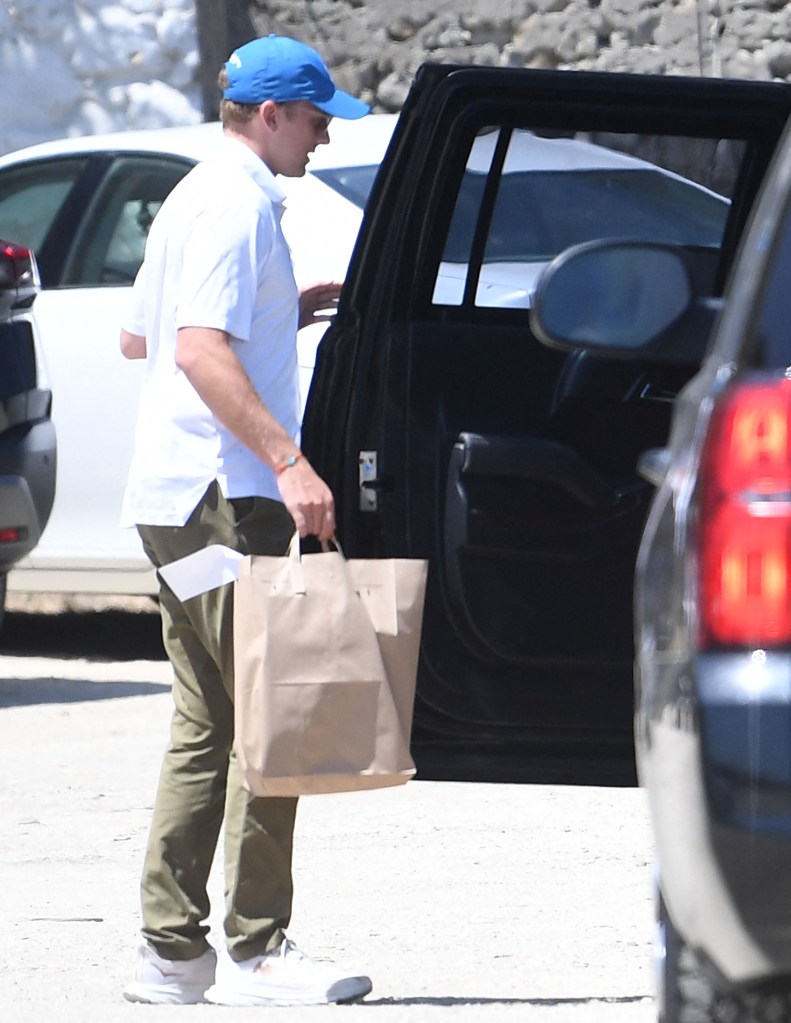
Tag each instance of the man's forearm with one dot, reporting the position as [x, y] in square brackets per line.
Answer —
[213, 369]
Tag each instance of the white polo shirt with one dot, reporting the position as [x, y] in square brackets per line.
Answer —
[215, 257]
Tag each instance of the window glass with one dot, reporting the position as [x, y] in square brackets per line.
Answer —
[111, 242]
[353, 183]
[769, 343]
[555, 192]
[31, 196]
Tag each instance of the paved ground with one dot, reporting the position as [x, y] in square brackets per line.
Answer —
[470, 902]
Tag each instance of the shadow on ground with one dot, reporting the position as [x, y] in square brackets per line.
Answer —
[107, 635]
[28, 692]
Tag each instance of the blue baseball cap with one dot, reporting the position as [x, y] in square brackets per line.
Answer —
[282, 69]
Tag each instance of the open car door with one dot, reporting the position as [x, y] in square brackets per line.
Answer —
[449, 432]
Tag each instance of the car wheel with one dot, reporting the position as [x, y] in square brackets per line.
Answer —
[686, 995]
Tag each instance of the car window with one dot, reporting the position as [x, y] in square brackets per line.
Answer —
[110, 244]
[550, 194]
[32, 195]
[768, 342]
[353, 183]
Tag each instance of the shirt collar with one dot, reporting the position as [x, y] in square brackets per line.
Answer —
[243, 156]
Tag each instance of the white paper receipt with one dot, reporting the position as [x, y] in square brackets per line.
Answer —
[204, 570]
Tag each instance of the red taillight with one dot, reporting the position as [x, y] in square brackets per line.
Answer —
[14, 251]
[11, 535]
[745, 522]
[15, 265]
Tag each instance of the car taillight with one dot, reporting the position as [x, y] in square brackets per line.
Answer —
[16, 265]
[19, 277]
[745, 520]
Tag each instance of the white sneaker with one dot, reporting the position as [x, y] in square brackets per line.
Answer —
[284, 977]
[161, 981]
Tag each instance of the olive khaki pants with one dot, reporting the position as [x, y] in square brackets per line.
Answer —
[199, 786]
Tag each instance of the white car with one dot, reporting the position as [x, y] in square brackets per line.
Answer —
[85, 207]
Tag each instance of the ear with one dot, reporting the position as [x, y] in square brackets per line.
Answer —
[269, 114]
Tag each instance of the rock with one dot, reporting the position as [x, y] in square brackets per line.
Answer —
[778, 58]
[402, 29]
[391, 92]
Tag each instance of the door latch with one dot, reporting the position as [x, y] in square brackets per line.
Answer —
[368, 476]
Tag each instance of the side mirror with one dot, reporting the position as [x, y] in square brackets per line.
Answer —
[627, 299]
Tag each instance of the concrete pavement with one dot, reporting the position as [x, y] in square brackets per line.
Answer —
[463, 901]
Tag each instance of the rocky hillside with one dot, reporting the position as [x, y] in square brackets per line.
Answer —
[376, 45]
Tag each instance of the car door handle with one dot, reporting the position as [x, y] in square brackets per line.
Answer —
[653, 392]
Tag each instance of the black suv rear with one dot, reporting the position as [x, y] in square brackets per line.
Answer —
[713, 602]
[27, 436]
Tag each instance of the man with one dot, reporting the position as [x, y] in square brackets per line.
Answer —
[215, 311]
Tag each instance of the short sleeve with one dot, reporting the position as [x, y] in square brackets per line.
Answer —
[134, 321]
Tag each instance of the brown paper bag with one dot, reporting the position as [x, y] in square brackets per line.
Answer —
[393, 591]
[323, 689]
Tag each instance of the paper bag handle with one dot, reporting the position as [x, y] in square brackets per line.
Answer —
[294, 554]
[325, 546]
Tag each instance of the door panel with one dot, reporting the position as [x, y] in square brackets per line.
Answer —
[532, 534]
[532, 518]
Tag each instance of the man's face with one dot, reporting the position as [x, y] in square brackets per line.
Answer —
[301, 127]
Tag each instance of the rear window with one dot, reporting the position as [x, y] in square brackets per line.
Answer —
[109, 246]
[31, 196]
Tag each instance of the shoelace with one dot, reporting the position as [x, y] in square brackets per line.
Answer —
[292, 950]
[289, 948]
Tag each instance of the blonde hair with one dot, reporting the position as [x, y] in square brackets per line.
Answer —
[232, 112]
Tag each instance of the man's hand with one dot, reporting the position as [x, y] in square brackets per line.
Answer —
[316, 298]
[308, 499]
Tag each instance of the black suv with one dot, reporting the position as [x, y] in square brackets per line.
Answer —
[27, 436]
[713, 606]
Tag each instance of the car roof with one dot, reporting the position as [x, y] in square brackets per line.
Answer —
[536, 153]
[352, 143]
[531, 152]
